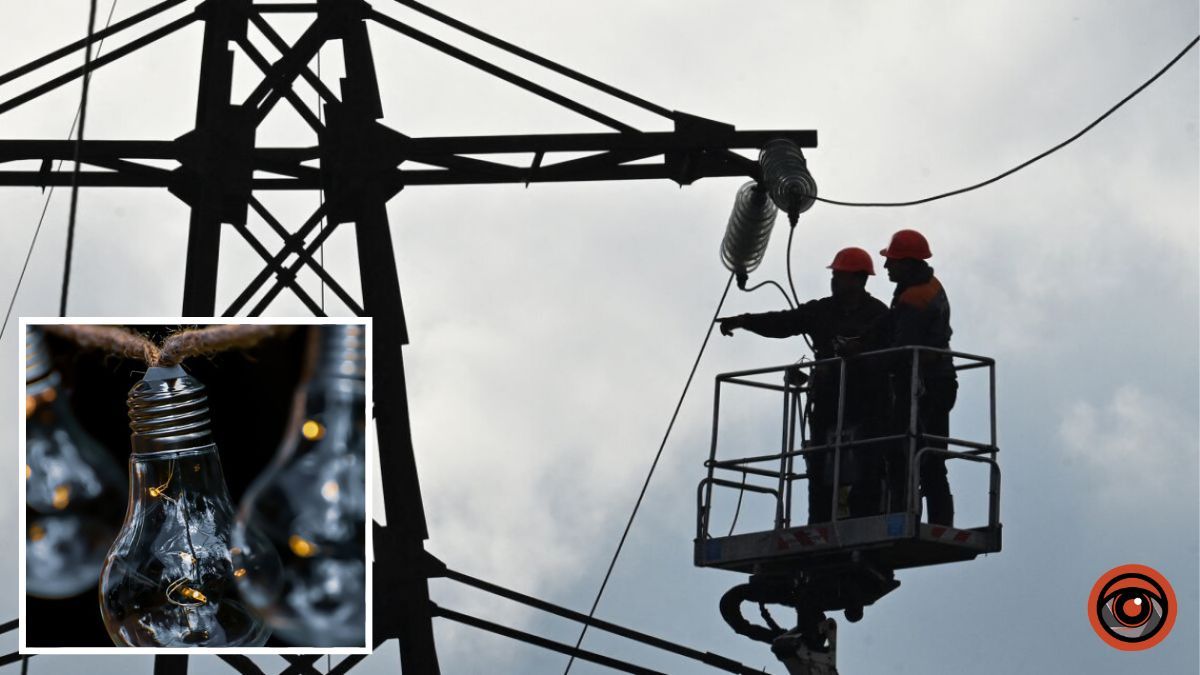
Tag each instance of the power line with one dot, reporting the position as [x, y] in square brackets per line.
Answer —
[650, 474]
[1043, 155]
[708, 658]
[630, 98]
[46, 205]
[83, 98]
[539, 60]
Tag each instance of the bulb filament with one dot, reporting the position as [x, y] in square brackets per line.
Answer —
[160, 491]
[301, 546]
[180, 586]
[194, 598]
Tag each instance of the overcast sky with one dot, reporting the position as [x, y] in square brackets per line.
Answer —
[552, 327]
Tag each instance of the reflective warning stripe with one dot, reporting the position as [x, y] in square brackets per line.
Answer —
[803, 538]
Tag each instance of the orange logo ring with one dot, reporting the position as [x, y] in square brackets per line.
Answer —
[1132, 607]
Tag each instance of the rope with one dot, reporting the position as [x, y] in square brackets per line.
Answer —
[121, 342]
[46, 205]
[83, 98]
[186, 343]
[1026, 163]
[650, 474]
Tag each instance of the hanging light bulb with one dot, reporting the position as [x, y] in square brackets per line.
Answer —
[748, 231]
[785, 172]
[311, 503]
[169, 579]
[73, 488]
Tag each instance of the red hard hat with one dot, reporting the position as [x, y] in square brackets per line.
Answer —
[907, 244]
[852, 259]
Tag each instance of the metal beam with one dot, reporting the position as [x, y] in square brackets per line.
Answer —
[709, 658]
[280, 44]
[255, 284]
[496, 71]
[97, 63]
[424, 149]
[541, 61]
[400, 547]
[297, 247]
[222, 24]
[170, 664]
[242, 664]
[562, 648]
[98, 36]
[708, 168]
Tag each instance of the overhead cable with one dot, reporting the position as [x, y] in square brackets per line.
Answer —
[635, 100]
[1043, 155]
[653, 465]
[50, 193]
[563, 648]
[535, 58]
[714, 660]
[83, 99]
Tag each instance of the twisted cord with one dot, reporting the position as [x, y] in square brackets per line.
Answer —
[214, 339]
[178, 346]
[115, 340]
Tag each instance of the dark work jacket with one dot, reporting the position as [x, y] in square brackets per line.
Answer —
[823, 320]
[920, 315]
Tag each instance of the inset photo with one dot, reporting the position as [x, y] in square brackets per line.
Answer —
[195, 486]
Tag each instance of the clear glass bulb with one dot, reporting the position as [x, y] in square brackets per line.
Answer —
[170, 579]
[311, 504]
[73, 488]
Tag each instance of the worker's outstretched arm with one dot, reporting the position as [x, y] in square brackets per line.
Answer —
[781, 324]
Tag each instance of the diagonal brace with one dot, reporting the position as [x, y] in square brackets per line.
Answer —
[279, 43]
[284, 71]
[275, 288]
[265, 66]
[296, 245]
[283, 275]
[108, 58]
[80, 44]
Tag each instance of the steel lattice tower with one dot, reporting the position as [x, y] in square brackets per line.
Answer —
[360, 167]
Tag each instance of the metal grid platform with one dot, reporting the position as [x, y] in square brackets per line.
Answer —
[889, 541]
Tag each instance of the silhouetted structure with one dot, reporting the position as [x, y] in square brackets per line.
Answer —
[220, 169]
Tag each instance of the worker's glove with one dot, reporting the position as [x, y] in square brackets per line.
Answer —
[728, 324]
[795, 377]
[847, 345]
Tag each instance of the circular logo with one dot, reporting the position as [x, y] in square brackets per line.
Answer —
[1132, 607]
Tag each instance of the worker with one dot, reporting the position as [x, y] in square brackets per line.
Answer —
[836, 325]
[920, 315]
